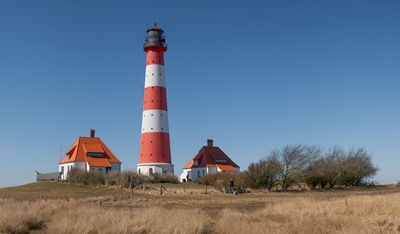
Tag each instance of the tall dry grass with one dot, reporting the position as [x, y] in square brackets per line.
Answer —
[88, 216]
[291, 214]
[358, 214]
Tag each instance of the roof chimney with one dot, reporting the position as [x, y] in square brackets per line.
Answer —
[210, 142]
[92, 133]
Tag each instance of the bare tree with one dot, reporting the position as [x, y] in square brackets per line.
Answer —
[358, 167]
[262, 174]
[315, 174]
[293, 160]
[334, 165]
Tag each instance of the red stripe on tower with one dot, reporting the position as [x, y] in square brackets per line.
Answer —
[155, 151]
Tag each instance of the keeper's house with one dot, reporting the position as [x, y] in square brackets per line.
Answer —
[210, 159]
[89, 154]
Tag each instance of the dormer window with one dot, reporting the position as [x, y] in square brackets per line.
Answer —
[68, 156]
[220, 160]
[95, 154]
[196, 162]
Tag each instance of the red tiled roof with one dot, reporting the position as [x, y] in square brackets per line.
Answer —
[77, 153]
[93, 148]
[226, 168]
[211, 156]
[98, 162]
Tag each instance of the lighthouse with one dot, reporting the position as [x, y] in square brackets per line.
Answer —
[155, 150]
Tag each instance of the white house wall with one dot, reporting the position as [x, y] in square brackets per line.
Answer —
[66, 167]
[184, 174]
[199, 172]
[211, 170]
[116, 167]
[80, 165]
[85, 166]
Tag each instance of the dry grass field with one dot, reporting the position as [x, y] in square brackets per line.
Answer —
[51, 207]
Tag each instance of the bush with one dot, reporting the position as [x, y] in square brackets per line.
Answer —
[220, 179]
[79, 176]
[112, 177]
[164, 178]
[129, 177]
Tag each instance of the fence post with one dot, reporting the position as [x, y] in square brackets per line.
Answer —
[206, 189]
[160, 189]
[144, 187]
[130, 188]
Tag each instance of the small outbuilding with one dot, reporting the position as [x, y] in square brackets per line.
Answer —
[209, 159]
[89, 154]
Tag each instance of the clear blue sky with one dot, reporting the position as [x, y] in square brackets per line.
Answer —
[251, 75]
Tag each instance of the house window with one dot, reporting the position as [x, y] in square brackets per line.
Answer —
[220, 160]
[151, 171]
[94, 154]
[204, 171]
[198, 174]
[196, 162]
[62, 170]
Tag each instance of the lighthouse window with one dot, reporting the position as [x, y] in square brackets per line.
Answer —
[152, 74]
[151, 141]
[151, 128]
[151, 114]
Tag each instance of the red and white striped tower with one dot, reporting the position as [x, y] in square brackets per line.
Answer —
[155, 151]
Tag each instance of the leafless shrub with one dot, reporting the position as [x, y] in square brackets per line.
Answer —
[262, 174]
[164, 178]
[132, 178]
[292, 161]
[358, 167]
[338, 167]
[79, 176]
[221, 179]
[112, 177]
